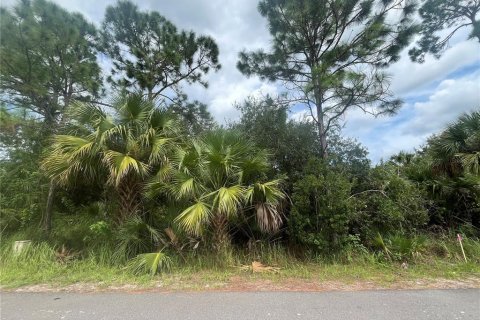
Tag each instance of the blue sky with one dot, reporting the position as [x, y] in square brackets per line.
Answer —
[435, 92]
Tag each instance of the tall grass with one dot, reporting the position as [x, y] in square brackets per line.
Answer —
[45, 263]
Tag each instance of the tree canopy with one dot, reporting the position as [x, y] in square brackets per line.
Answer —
[332, 54]
[444, 15]
[48, 58]
[150, 54]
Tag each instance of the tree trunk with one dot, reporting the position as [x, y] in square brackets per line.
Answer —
[49, 128]
[221, 238]
[129, 200]
[47, 217]
[322, 135]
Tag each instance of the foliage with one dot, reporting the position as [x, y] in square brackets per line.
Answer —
[400, 247]
[348, 155]
[321, 211]
[151, 263]
[195, 116]
[386, 204]
[447, 172]
[151, 55]
[442, 258]
[291, 143]
[329, 71]
[121, 150]
[148, 182]
[48, 58]
[23, 187]
[444, 15]
[457, 149]
[135, 237]
[220, 177]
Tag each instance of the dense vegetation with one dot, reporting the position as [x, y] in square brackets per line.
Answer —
[141, 176]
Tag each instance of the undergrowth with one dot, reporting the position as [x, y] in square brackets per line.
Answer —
[399, 259]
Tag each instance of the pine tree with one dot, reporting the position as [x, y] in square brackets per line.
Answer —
[438, 15]
[332, 53]
[149, 53]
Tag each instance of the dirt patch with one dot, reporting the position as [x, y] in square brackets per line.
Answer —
[240, 284]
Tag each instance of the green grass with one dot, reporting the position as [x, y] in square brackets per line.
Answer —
[193, 271]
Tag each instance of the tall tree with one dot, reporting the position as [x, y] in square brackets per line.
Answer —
[332, 53]
[266, 122]
[48, 58]
[194, 115]
[151, 55]
[439, 15]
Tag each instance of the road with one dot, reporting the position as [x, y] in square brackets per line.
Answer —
[390, 305]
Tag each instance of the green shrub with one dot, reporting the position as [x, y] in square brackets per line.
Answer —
[387, 204]
[321, 211]
[134, 237]
[400, 247]
[72, 231]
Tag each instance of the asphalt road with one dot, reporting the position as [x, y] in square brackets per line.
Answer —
[390, 305]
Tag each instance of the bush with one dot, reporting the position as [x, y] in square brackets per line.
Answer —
[388, 204]
[135, 237]
[321, 211]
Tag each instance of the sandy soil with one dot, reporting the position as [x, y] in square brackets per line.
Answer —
[239, 283]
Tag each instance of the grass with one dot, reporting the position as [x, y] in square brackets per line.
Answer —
[40, 265]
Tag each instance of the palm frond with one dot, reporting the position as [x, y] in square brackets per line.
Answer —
[186, 188]
[194, 218]
[253, 166]
[70, 156]
[135, 109]
[269, 218]
[266, 198]
[456, 149]
[121, 164]
[158, 148]
[267, 192]
[86, 113]
[470, 161]
[151, 263]
[227, 200]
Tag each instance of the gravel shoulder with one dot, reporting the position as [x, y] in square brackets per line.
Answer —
[253, 284]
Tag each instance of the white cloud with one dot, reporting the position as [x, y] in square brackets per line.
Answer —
[451, 98]
[224, 97]
[417, 121]
[409, 78]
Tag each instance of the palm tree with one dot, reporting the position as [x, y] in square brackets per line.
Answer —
[222, 176]
[457, 149]
[401, 159]
[122, 148]
[448, 170]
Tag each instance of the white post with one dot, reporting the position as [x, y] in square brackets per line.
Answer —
[19, 246]
[459, 237]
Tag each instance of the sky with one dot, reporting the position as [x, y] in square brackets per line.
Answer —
[435, 92]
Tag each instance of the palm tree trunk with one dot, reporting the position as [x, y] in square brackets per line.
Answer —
[129, 200]
[221, 238]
